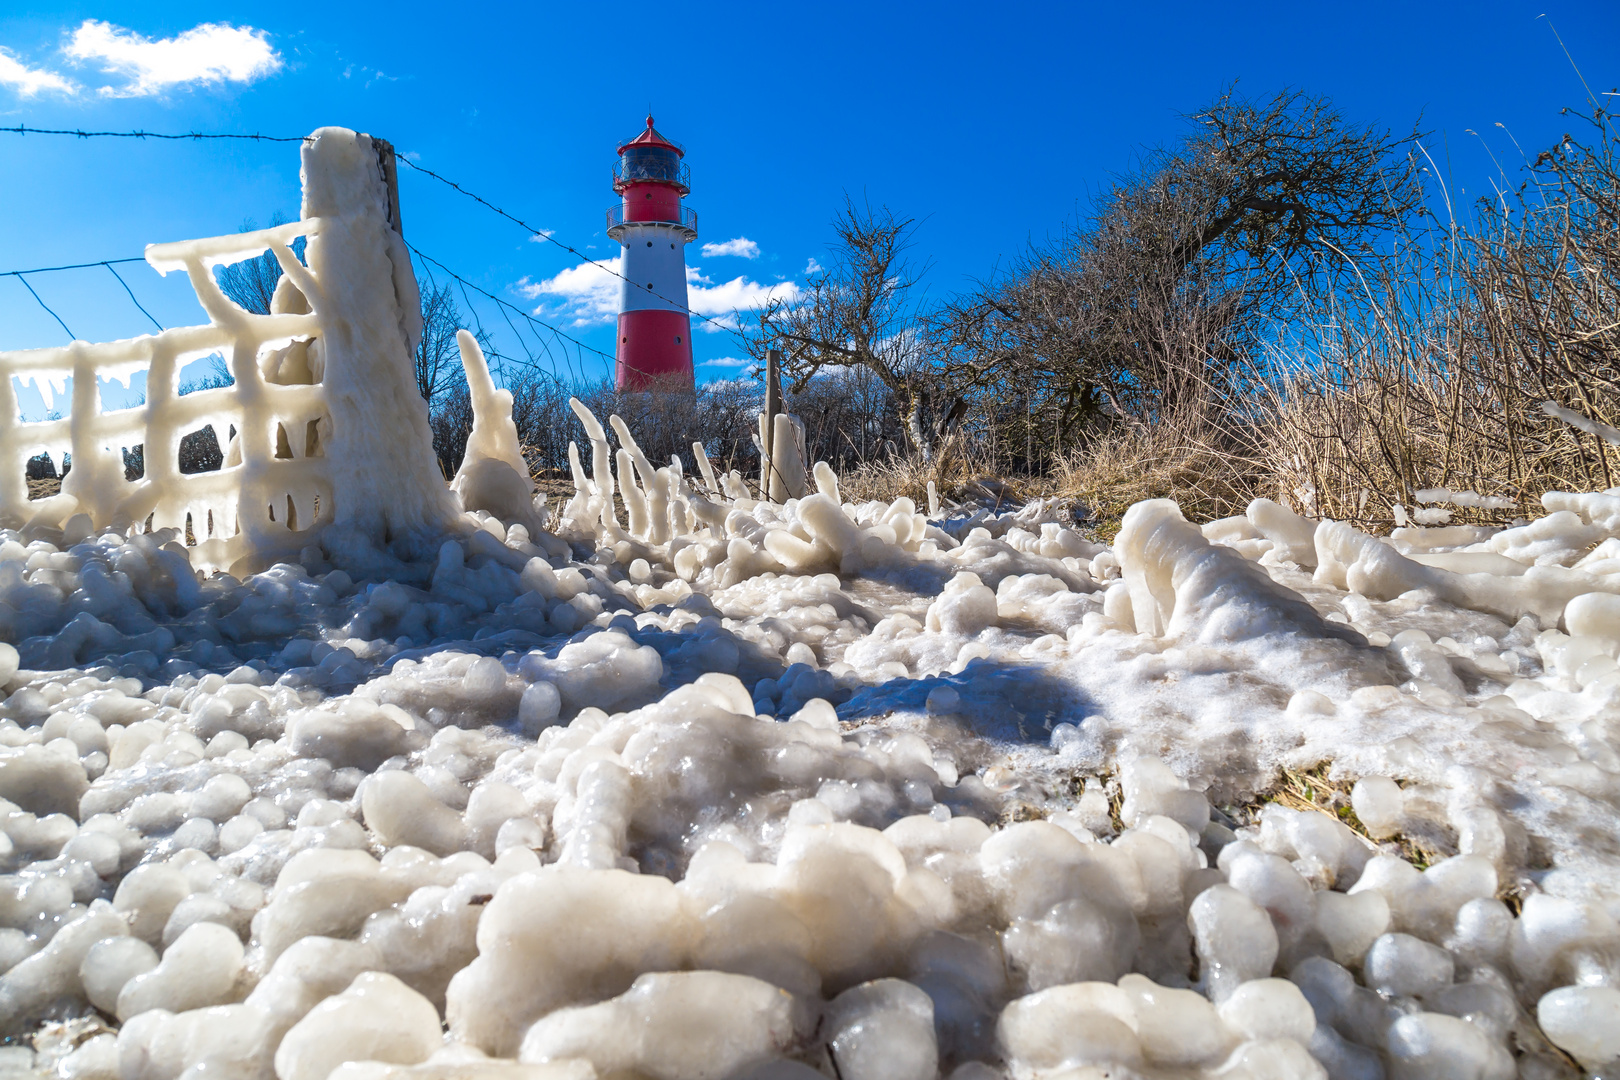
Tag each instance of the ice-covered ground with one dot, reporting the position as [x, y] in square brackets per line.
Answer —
[696, 786]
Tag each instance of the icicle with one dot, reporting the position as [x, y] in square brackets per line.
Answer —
[635, 502]
[657, 502]
[827, 481]
[705, 468]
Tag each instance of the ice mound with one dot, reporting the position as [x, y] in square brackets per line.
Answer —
[493, 477]
[681, 782]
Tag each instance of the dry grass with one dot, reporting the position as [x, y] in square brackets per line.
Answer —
[1367, 427]
[959, 472]
[1205, 470]
[1312, 790]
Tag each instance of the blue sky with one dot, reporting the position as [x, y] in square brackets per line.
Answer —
[989, 123]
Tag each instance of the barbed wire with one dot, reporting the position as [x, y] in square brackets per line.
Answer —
[24, 129]
[544, 234]
[503, 303]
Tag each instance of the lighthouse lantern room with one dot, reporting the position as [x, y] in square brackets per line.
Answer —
[655, 326]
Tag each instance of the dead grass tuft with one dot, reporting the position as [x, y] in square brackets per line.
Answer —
[1312, 789]
[1205, 470]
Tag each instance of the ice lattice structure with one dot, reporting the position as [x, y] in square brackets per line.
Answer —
[315, 381]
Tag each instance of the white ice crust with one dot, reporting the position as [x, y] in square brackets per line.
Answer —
[681, 783]
[317, 382]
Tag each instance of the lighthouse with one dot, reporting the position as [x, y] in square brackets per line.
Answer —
[655, 325]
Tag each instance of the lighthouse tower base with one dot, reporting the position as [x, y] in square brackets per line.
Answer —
[655, 349]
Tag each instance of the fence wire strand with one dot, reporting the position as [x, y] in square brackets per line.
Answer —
[465, 284]
[24, 129]
[71, 335]
[131, 293]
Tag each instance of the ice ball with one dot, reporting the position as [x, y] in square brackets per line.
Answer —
[1406, 966]
[882, 1030]
[1584, 1020]
[110, 964]
[378, 1018]
[686, 1025]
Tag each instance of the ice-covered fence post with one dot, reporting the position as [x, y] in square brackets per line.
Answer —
[385, 478]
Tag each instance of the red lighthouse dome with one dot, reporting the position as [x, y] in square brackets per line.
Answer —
[653, 226]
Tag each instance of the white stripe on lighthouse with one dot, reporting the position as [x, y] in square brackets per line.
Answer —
[654, 268]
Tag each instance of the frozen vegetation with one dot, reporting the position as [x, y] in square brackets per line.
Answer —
[671, 783]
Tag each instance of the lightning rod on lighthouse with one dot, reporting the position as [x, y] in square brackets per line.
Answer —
[655, 326]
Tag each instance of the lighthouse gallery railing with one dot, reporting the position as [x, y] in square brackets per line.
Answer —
[616, 219]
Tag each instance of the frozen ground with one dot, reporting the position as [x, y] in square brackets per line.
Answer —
[738, 789]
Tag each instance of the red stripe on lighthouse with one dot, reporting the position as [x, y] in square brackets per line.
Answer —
[654, 346]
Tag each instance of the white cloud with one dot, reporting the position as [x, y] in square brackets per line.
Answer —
[727, 361]
[812, 267]
[722, 302]
[742, 247]
[588, 294]
[207, 53]
[542, 236]
[29, 81]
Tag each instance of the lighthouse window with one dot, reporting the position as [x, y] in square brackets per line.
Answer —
[650, 163]
[672, 247]
[677, 339]
[649, 243]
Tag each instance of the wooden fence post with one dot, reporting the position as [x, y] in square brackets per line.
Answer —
[773, 406]
[390, 175]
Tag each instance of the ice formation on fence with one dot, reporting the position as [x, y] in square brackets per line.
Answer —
[685, 784]
[316, 381]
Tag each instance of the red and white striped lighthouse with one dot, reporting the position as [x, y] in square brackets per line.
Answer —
[655, 325]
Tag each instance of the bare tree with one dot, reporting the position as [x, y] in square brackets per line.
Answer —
[1184, 267]
[438, 357]
[865, 310]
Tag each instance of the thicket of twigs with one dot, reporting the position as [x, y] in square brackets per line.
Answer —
[1434, 374]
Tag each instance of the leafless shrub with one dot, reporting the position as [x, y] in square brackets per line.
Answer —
[1433, 376]
[850, 417]
[1145, 309]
